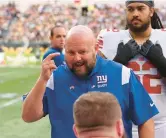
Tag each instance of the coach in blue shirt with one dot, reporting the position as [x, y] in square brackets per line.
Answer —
[55, 91]
[57, 39]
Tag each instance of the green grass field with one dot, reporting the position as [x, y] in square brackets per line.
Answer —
[18, 81]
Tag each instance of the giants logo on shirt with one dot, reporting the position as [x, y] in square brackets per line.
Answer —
[102, 81]
[147, 74]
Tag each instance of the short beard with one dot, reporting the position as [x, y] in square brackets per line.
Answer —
[142, 28]
[89, 68]
[87, 73]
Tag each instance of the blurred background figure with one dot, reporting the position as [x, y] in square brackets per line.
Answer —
[57, 40]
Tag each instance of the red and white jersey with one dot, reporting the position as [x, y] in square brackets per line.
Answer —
[149, 76]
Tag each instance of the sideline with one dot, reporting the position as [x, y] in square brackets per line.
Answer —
[11, 102]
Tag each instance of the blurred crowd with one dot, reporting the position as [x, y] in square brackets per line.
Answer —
[36, 21]
[8, 14]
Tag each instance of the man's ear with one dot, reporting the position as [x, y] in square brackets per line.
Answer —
[152, 10]
[120, 128]
[75, 130]
[96, 47]
[50, 38]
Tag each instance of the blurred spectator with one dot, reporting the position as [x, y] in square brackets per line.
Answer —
[8, 15]
[36, 22]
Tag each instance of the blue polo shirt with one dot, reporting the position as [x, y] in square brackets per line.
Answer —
[58, 60]
[63, 88]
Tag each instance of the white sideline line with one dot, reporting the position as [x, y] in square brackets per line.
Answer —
[6, 73]
[21, 66]
[11, 102]
[8, 95]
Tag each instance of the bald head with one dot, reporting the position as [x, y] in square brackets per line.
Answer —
[80, 31]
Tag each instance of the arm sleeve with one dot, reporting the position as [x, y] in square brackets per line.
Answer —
[45, 103]
[100, 42]
[49, 89]
[141, 105]
[107, 43]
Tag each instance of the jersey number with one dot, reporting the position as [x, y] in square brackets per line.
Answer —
[146, 79]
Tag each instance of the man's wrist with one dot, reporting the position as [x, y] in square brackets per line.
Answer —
[42, 80]
[160, 64]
